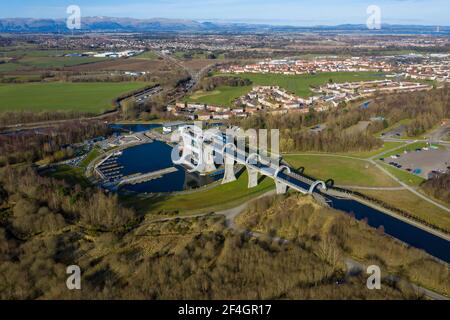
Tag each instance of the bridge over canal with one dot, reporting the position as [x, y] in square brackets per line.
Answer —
[200, 151]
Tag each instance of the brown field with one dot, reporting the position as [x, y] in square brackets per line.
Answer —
[122, 65]
[198, 64]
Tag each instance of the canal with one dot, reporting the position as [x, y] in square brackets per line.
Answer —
[405, 232]
[157, 155]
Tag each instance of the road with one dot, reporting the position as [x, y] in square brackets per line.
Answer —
[446, 143]
[437, 135]
[195, 76]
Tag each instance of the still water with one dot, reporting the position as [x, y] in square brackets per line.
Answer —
[156, 156]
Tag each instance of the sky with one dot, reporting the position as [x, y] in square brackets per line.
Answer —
[281, 12]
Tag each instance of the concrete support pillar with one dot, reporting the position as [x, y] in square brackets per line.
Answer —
[252, 177]
[281, 187]
[208, 159]
[229, 175]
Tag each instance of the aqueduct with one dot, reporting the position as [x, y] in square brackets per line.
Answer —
[201, 151]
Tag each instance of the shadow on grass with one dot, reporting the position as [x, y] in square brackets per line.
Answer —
[142, 206]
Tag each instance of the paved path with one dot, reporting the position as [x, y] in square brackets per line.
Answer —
[447, 143]
[373, 188]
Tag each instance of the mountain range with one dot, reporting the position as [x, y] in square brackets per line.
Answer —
[111, 24]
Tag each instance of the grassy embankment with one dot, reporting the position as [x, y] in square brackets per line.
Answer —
[218, 198]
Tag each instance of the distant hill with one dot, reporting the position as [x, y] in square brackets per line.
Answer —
[110, 24]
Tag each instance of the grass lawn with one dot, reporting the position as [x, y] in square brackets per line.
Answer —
[90, 157]
[219, 198]
[414, 205]
[220, 96]
[404, 176]
[343, 171]
[83, 97]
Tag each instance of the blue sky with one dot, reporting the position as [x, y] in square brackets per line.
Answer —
[294, 12]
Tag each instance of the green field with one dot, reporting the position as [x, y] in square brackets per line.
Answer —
[41, 59]
[300, 85]
[219, 198]
[82, 97]
[149, 55]
[222, 95]
[344, 171]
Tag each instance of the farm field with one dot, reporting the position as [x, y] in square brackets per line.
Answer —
[42, 59]
[83, 97]
[131, 64]
[149, 55]
[300, 85]
[344, 171]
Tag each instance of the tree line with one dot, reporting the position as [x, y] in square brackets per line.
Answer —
[423, 110]
[438, 187]
[52, 144]
[46, 226]
[211, 83]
